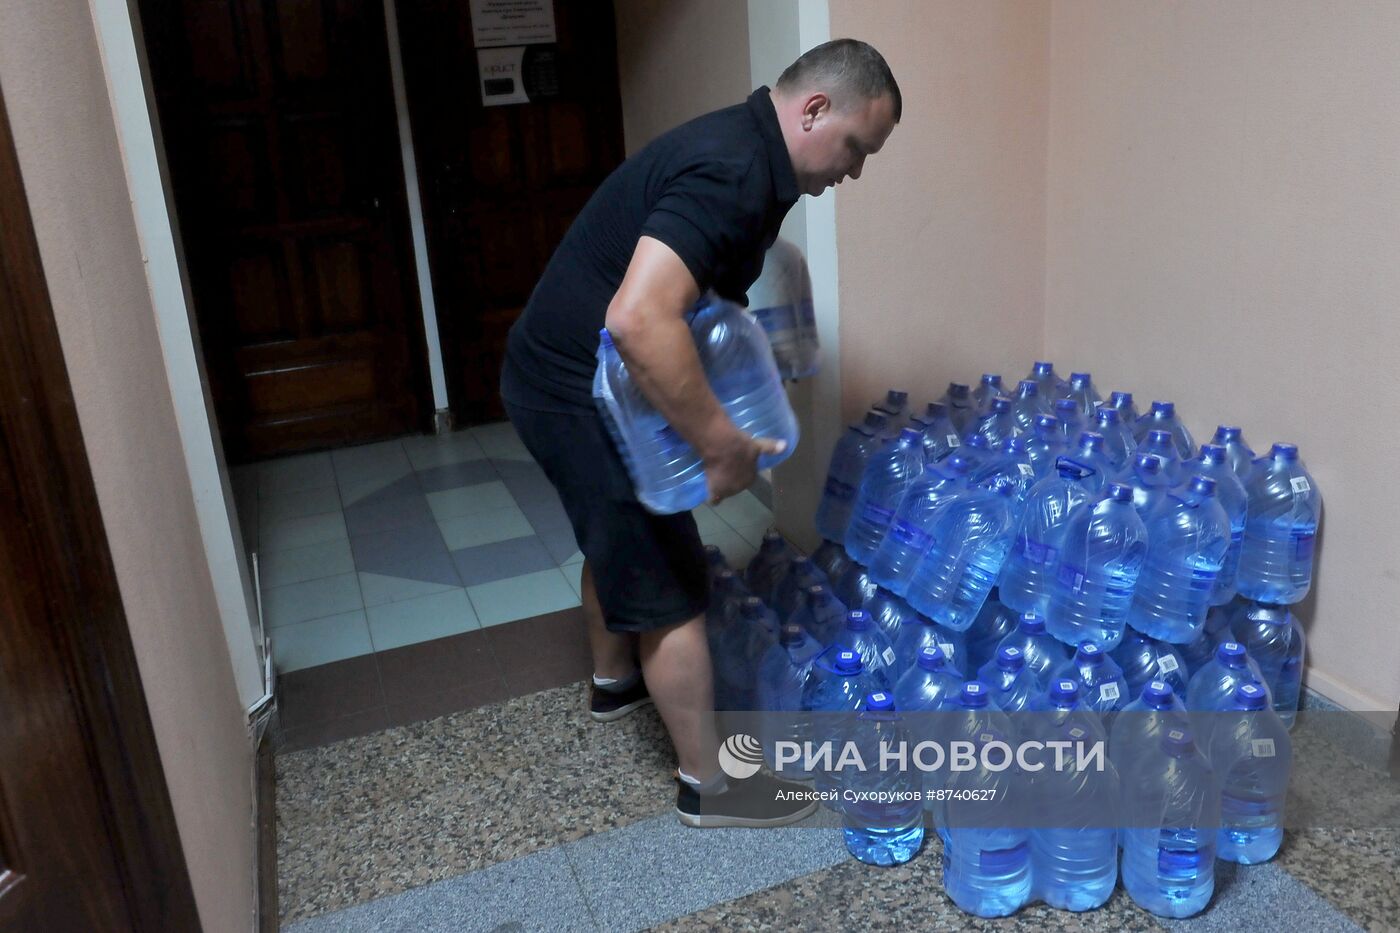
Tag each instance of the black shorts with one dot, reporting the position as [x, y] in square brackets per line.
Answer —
[649, 570]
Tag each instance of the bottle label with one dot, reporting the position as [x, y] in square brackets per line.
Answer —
[1109, 693]
[1026, 469]
[1038, 553]
[1166, 664]
[1300, 484]
[839, 490]
[908, 534]
[947, 650]
[1302, 546]
[954, 440]
[888, 657]
[1072, 578]
[1263, 748]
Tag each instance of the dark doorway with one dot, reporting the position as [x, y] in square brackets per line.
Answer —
[501, 184]
[87, 834]
[280, 132]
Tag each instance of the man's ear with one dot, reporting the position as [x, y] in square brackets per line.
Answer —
[817, 105]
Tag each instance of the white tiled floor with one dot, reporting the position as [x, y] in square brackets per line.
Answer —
[324, 604]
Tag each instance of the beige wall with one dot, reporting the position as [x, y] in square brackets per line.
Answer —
[677, 59]
[1224, 222]
[941, 240]
[55, 91]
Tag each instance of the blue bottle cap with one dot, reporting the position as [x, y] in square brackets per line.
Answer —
[1078, 379]
[1285, 451]
[991, 379]
[605, 338]
[957, 464]
[876, 420]
[1120, 492]
[1250, 696]
[1043, 368]
[1010, 659]
[1032, 623]
[932, 658]
[1066, 404]
[1027, 387]
[1213, 453]
[1157, 695]
[1088, 653]
[1045, 423]
[1163, 409]
[1001, 404]
[973, 695]
[1091, 440]
[1121, 399]
[1107, 416]
[847, 662]
[1178, 743]
[1014, 445]
[957, 390]
[1064, 692]
[879, 702]
[1231, 654]
[1203, 485]
[791, 634]
[1151, 464]
[1227, 432]
[857, 620]
[909, 437]
[1160, 438]
[896, 398]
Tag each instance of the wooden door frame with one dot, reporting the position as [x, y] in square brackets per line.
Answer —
[43, 439]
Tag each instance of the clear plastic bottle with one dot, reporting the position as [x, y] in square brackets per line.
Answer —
[769, 565]
[1214, 461]
[922, 633]
[1105, 688]
[1252, 755]
[741, 648]
[1137, 732]
[782, 676]
[1026, 405]
[1084, 394]
[1212, 688]
[931, 685]
[831, 559]
[940, 435]
[1011, 685]
[1011, 466]
[890, 614]
[1029, 571]
[958, 400]
[820, 613]
[1237, 449]
[843, 476]
[1043, 653]
[1122, 402]
[862, 636]
[988, 389]
[776, 300]
[1044, 445]
[894, 405]
[1088, 452]
[1144, 659]
[996, 424]
[1071, 422]
[882, 822]
[888, 475]
[792, 580]
[1274, 639]
[970, 541]
[992, 624]
[1149, 481]
[1160, 443]
[836, 685]
[1103, 547]
[1163, 417]
[1285, 505]
[1188, 535]
[1047, 380]
[911, 532]
[1118, 442]
[854, 587]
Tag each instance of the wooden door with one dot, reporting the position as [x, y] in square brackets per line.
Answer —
[282, 142]
[87, 834]
[501, 184]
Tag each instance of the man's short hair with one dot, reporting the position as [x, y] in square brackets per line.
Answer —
[843, 65]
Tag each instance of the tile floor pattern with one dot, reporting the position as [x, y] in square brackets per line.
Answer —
[366, 552]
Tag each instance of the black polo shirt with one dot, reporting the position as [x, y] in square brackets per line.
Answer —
[715, 190]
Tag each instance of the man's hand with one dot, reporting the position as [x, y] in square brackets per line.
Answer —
[730, 467]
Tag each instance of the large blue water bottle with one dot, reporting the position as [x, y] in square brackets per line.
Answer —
[992, 624]
[1135, 741]
[997, 423]
[780, 300]
[1160, 444]
[836, 687]
[958, 400]
[941, 436]
[921, 633]
[1149, 480]
[1044, 445]
[1122, 402]
[1102, 551]
[1010, 467]
[1027, 404]
[742, 646]
[1074, 858]
[831, 559]
[931, 685]
[882, 815]
[970, 543]
[1048, 381]
[820, 613]
[911, 532]
[782, 675]
[1088, 451]
[888, 475]
[894, 406]
[862, 636]
[1071, 422]
[843, 475]
[1119, 445]
[1237, 449]
[1144, 659]
[1028, 574]
[1252, 755]
[794, 578]
[988, 389]
[1212, 688]
[1043, 653]
[1172, 817]
[890, 614]
[1105, 688]
[1187, 537]
[727, 592]
[1200, 651]
[986, 868]
[738, 363]
[1163, 417]
[1214, 462]
[769, 565]
[1011, 685]
[1274, 638]
[1083, 393]
[854, 587]
[667, 474]
[1276, 560]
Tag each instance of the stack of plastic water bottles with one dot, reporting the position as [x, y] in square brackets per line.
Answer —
[1033, 562]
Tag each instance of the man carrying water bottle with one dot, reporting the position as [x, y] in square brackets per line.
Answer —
[693, 211]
